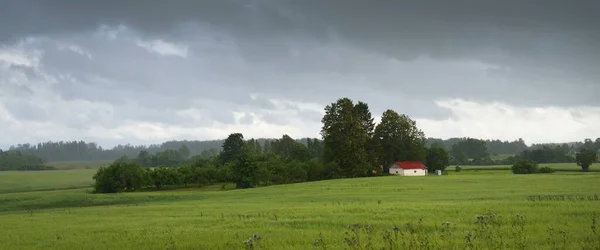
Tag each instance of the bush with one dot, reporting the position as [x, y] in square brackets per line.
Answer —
[120, 176]
[165, 176]
[546, 170]
[524, 167]
[457, 169]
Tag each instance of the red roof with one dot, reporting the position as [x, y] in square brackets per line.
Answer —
[411, 165]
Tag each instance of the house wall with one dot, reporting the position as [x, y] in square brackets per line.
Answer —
[414, 172]
[397, 171]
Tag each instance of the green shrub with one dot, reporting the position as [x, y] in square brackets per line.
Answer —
[457, 169]
[120, 176]
[524, 167]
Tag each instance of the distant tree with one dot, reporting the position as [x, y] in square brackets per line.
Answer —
[253, 146]
[315, 147]
[144, 159]
[17, 160]
[232, 147]
[397, 138]
[470, 151]
[169, 158]
[585, 158]
[437, 159]
[208, 153]
[184, 151]
[289, 149]
[548, 154]
[457, 155]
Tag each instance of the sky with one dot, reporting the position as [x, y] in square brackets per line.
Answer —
[141, 72]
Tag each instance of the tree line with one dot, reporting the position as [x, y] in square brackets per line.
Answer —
[351, 146]
[16, 160]
[90, 151]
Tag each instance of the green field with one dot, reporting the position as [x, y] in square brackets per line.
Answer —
[296, 216]
[563, 167]
[64, 165]
[27, 181]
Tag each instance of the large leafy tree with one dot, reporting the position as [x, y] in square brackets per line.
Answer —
[585, 158]
[245, 170]
[436, 159]
[346, 132]
[398, 139]
[232, 147]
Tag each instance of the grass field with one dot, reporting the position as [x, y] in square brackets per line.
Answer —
[27, 181]
[65, 165]
[309, 215]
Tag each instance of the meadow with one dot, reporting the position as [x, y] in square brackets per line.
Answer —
[486, 207]
[66, 165]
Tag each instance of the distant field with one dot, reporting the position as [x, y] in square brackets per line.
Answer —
[27, 181]
[78, 164]
[568, 167]
[296, 216]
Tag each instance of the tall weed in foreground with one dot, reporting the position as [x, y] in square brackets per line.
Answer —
[593, 240]
[489, 231]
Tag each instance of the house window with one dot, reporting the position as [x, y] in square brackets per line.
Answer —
[415, 171]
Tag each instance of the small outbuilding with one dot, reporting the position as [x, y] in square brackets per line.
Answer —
[408, 168]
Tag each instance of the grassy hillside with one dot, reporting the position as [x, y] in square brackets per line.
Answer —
[297, 216]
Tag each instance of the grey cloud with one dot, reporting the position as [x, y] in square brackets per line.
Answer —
[247, 119]
[276, 119]
[538, 52]
[26, 111]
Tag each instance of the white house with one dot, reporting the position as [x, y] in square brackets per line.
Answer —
[408, 168]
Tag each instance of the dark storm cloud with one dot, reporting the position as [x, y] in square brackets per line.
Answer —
[539, 52]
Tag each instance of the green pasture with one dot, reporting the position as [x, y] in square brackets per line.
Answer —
[65, 165]
[27, 181]
[314, 215]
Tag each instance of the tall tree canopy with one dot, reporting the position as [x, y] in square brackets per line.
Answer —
[398, 139]
[346, 132]
[232, 147]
